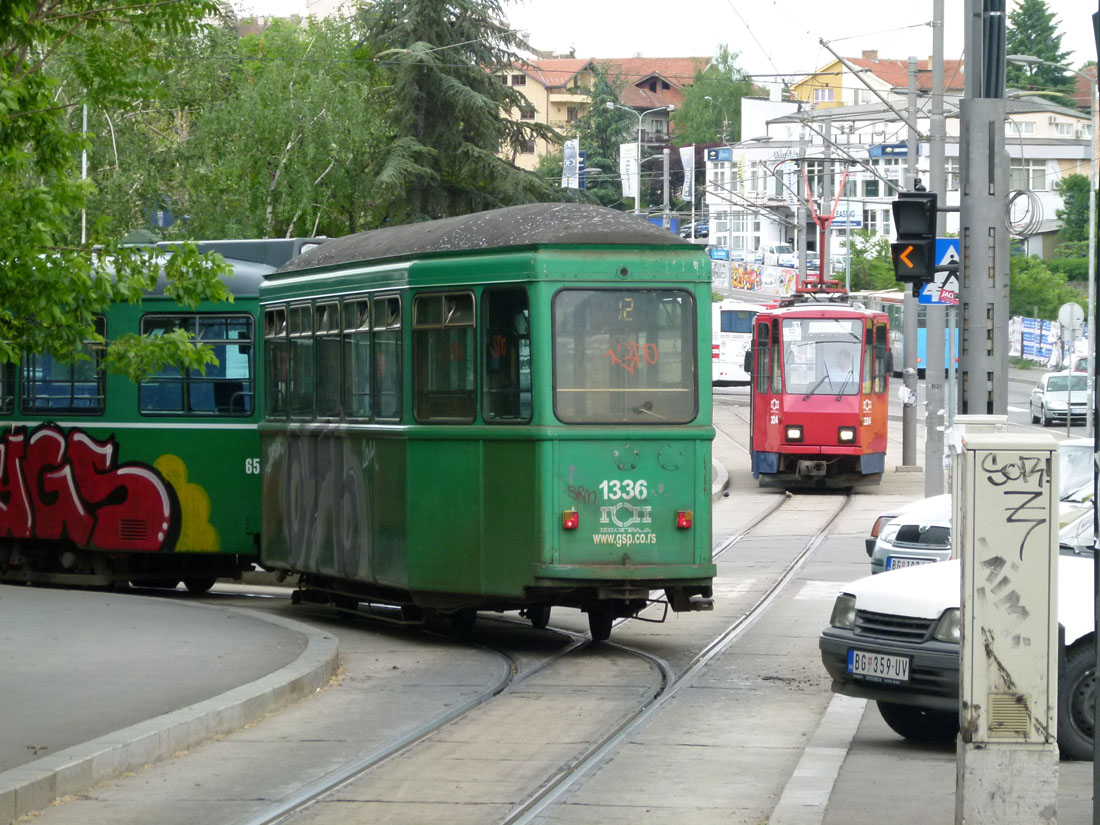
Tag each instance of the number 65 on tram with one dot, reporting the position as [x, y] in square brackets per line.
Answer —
[819, 395]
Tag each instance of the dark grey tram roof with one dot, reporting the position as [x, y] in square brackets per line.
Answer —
[528, 225]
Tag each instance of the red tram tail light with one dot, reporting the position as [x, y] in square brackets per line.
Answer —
[846, 435]
[793, 433]
[683, 519]
[570, 519]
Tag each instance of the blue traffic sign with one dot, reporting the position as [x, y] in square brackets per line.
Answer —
[944, 290]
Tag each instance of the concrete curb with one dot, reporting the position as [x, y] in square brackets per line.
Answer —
[719, 479]
[34, 786]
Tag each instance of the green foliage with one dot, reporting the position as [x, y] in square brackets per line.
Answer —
[872, 266]
[1033, 30]
[1075, 269]
[600, 130]
[1032, 284]
[1074, 214]
[441, 63]
[700, 120]
[54, 57]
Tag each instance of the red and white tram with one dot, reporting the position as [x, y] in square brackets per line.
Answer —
[819, 393]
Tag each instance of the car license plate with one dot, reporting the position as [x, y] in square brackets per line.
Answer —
[878, 666]
[895, 563]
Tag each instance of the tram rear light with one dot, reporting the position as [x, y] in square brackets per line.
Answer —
[846, 435]
[715, 351]
[794, 434]
[570, 519]
[683, 519]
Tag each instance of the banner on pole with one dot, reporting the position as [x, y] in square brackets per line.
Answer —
[628, 168]
[570, 172]
[687, 160]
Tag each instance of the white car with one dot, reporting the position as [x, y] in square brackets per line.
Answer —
[1059, 394]
[920, 532]
[910, 618]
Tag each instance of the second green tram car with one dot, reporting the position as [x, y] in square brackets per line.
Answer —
[104, 481]
[500, 411]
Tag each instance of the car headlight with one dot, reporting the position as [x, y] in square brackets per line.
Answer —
[889, 533]
[947, 628]
[1056, 405]
[844, 611]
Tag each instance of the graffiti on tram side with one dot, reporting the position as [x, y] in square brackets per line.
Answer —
[57, 484]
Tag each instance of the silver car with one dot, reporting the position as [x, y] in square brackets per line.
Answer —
[1059, 394]
[920, 532]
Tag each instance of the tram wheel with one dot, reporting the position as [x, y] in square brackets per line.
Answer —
[199, 584]
[539, 616]
[599, 623]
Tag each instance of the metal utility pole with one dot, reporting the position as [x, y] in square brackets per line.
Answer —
[824, 270]
[984, 242]
[935, 315]
[800, 212]
[664, 178]
[909, 307]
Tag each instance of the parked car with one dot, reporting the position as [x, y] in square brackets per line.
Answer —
[910, 620]
[695, 230]
[920, 532]
[1059, 394]
[780, 254]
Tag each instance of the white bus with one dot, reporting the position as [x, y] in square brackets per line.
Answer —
[731, 326]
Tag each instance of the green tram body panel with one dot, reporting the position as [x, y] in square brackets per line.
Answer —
[102, 490]
[471, 514]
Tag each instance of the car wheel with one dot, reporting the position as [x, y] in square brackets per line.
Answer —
[920, 724]
[1076, 712]
[1046, 419]
[1034, 417]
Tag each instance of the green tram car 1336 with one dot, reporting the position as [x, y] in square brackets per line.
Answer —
[501, 411]
[104, 481]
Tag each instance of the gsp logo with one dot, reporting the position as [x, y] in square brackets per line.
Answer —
[625, 515]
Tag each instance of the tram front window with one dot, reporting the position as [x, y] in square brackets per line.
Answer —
[624, 356]
[821, 356]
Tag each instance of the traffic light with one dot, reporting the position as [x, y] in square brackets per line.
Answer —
[915, 252]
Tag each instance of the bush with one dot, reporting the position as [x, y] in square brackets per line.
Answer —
[1075, 269]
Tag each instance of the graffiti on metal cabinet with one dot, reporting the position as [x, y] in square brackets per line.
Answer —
[67, 485]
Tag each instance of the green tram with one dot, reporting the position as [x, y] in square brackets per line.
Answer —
[104, 481]
[501, 411]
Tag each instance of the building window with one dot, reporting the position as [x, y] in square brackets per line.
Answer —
[503, 78]
[572, 113]
[1019, 127]
[823, 95]
[527, 147]
[1063, 130]
[870, 188]
[952, 174]
[851, 188]
[1028, 174]
[225, 388]
[527, 113]
[519, 80]
[77, 388]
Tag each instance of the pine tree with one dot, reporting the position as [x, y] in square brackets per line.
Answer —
[1033, 31]
[449, 108]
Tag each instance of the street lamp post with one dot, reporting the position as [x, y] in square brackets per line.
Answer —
[1029, 60]
[638, 161]
[725, 118]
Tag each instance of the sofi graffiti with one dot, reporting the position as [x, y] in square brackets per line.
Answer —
[58, 485]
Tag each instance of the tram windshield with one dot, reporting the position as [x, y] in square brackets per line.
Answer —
[624, 356]
[821, 356]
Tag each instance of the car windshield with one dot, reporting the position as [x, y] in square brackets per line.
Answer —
[1059, 383]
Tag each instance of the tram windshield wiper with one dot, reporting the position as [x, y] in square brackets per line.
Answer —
[647, 408]
[821, 381]
[844, 386]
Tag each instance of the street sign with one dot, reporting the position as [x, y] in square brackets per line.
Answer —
[848, 216]
[944, 290]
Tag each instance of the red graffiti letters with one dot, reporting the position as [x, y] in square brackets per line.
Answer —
[56, 485]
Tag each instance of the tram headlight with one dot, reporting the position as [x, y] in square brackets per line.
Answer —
[844, 611]
[846, 435]
[794, 433]
[947, 628]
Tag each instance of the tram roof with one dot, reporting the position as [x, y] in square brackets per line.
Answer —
[534, 224]
[829, 310]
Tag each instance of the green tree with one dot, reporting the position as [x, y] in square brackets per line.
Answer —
[712, 103]
[871, 265]
[600, 130]
[447, 107]
[1074, 214]
[1032, 284]
[1033, 30]
[53, 285]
